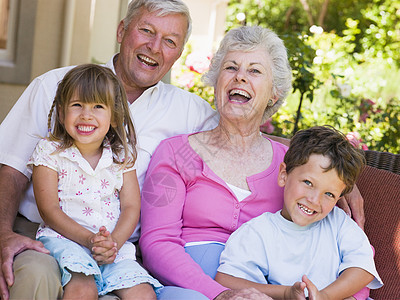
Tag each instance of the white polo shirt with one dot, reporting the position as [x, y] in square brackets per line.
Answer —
[160, 112]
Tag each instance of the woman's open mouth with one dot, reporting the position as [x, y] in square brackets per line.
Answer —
[239, 96]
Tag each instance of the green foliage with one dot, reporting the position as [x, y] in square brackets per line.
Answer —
[338, 69]
[346, 75]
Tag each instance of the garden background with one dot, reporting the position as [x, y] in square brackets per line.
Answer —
[345, 57]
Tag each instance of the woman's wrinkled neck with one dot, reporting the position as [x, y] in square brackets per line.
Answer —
[241, 136]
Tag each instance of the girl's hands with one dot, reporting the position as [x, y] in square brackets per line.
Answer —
[104, 248]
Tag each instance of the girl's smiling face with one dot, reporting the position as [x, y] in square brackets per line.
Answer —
[311, 192]
[244, 85]
[87, 123]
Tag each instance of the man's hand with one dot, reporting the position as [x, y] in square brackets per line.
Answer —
[250, 293]
[11, 245]
[353, 205]
[104, 248]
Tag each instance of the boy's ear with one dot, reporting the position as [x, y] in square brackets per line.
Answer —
[282, 176]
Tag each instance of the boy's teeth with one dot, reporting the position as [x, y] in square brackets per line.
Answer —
[306, 210]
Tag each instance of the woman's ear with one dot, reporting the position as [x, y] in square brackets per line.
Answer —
[274, 99]
[282, 176]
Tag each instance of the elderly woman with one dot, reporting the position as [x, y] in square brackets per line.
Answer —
[199, 188]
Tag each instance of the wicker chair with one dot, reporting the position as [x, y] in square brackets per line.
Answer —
[383, 160]
[379, 185]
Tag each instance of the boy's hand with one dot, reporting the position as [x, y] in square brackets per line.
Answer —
[313, 292]
[104, 248]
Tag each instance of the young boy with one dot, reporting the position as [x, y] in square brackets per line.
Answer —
[310, 243]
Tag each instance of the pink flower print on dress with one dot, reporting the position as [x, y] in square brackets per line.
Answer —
[78, 193]
[63, 174]
[104, 184]
[110, 216]
[81, 179]
[87, 211]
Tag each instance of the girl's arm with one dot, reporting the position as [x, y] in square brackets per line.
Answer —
[129, 198]
[45, 187]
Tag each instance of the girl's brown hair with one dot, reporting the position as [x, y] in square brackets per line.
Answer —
[95, 84]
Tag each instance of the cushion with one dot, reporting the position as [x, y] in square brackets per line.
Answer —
[381, 192]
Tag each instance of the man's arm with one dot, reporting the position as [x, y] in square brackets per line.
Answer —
[12, 186]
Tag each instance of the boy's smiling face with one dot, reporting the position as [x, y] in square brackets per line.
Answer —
[310, 191]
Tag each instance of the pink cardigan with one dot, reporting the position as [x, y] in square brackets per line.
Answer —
[183, 200]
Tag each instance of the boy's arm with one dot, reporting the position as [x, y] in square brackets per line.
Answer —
[274, 291]
[45, 187]
[129, 198]
[347, 284]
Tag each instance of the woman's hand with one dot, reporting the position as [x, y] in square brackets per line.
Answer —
[353, 205]
[104, 248]
[250, 293]
[296, 291]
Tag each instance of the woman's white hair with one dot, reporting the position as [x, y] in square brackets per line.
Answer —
[250, 38]
[162, 7]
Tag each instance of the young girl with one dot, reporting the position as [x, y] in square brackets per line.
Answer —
[86, 188]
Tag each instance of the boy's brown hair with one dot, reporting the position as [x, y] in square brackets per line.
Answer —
[326, 140]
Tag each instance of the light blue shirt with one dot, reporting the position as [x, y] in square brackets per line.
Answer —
[271, 249]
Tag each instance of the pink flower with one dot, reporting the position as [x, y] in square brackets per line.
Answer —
[187, 79]
[364, 147]
[198, 62]
[354, 139]
[87, 211]
[267, 127]
[104, 183]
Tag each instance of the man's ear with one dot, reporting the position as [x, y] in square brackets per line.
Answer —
[282, 176]
[120, 31]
